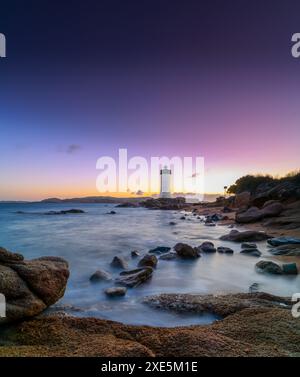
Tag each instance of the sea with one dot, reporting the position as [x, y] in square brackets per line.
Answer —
[90, 240]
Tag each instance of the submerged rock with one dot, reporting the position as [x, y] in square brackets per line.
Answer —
[73, 210]
[283, 241]
[148, 260]
[30, 286]
[100, 275]
[63, 212]
[119, 262]
[116, 291]
[135, 254]
[248, 245]
[207, 247]
[172, 223]
[160, 250]
[186, 251]
[133, 278]
[251, 251]
[224, 250]
[169, 256]
[269, 267]
[245, 236]
[254, 288]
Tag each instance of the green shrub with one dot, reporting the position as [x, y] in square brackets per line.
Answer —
[251, 182]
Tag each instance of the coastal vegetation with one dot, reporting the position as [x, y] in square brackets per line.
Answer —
[252, 183]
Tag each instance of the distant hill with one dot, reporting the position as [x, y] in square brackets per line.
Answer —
[95, 199]
[100, 199]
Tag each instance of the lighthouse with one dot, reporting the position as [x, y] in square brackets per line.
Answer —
[165, 183]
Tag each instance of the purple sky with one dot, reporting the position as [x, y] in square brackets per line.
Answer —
[198, 78]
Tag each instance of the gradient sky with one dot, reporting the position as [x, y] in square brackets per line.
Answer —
[187, 78]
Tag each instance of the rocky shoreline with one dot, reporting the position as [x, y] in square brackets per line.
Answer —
[249, 324]
[255, 324]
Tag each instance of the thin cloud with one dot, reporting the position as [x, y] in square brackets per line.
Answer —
[73, 148]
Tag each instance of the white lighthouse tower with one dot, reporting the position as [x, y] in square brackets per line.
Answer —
[165, 183]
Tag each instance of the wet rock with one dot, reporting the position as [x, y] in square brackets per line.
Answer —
[292, 250]
[269, 267]
[133, 278]
[116, 291]
[221, 305]
[209, 224]
[9, 257]
[127, 205]
[63, 212]
[251, 252]
[256, 324]
[224, 250]
[245, 236]
[207, 247]
[135, 254]
[215, 217]
[100, 275]
[290, 269]
[184, 250]
[254, 288]
[182, 218]
[148, 260]
[172, 223]
[73, 210]
[164, 203]
[248, 245]
[119, 262]
[30, 286]
[283, 241]
[111, 213]
[227, 210]
[168, 256]
[160, 250]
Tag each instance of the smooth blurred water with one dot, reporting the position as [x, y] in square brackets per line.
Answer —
[89, 241]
